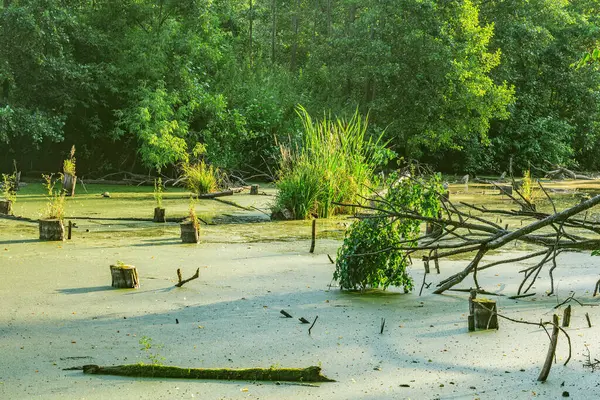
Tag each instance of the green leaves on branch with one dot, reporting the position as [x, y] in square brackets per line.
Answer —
[370, 256]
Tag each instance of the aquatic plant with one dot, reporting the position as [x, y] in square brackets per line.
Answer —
[8, 187]
[69, 163]
[158, 192]
[335, 163]
[201, 178]
[55, 206]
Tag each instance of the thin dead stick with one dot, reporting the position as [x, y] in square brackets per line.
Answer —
[551, 350]
[184, 281]
[313, 324]
[314, 236]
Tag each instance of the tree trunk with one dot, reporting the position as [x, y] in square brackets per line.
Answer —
[69, 182]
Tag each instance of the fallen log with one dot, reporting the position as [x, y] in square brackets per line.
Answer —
[216, 194]
[309, 374]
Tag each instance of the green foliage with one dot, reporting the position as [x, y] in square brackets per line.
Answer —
[201, 178]
[369, 256]
[9, 182]
[151, 350]
[55, 206]
[335, 164]
[158, 192]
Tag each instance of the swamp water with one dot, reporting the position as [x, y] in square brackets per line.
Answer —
[59, 311]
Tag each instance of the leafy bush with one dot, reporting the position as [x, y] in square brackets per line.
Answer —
[201, 178]
[369, 256]
[335, 164]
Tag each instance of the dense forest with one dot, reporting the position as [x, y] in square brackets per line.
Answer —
[136, 85]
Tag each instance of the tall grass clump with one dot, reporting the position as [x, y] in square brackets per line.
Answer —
[201, 178]
[334, 163]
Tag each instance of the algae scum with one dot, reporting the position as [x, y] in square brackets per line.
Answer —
[59, 310]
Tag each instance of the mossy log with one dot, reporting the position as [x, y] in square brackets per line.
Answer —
[309, 374]
[124, 277]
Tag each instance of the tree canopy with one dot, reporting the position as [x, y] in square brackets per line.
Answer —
[137, 84]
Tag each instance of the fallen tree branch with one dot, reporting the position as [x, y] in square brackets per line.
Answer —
[309, 374]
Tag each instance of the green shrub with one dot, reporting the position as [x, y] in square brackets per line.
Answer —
[334, 164]
[370, 256]
[201, 178]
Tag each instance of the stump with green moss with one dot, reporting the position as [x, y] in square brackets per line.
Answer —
[69, 183]
[309, 374]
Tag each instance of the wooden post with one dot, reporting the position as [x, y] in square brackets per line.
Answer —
[471, 317]
[159, 215]
[426, 264]
[587, 317]
[70, 229]
[314, 235]
[124, 276]
[254, 189]
[551, 349]
[567, 317]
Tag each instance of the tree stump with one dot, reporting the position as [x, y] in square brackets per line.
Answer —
[52, 229]
[189, 232]
[124, 277]
[159, 215]
[254, 189]
[482, 314]
[6, 207]
[69, 182]
[507, 190]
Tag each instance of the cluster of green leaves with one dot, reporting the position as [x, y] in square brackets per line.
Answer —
[151, 350]
[334, 163]
[369, 256]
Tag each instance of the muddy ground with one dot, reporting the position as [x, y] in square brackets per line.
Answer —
[59, 311]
